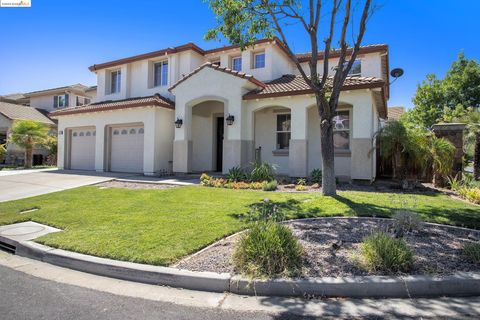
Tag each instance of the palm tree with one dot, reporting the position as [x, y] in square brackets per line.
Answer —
[28, 134]
[442, 156]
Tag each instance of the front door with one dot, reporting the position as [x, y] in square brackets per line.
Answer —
[219, 148]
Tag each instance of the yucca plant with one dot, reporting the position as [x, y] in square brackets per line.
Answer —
[28, 134]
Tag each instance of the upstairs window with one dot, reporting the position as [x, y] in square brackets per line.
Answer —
[356, 69]
[216, 62]
[237, 63]
[341, 131]
[160, 74]
[82, 101]
[259, 60]
[115, 81]
[283, 131]
[60, 101]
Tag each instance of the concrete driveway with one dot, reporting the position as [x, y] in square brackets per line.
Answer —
[29, 184]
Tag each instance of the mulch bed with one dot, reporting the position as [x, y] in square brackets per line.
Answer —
[437, 248]
[134, 185]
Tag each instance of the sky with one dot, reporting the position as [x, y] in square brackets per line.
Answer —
[52, 43]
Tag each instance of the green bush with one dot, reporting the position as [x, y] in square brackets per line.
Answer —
[381, 252]
[236, 174]
[268, 249]
[205, 179]
[472, 252]
[316, 176]
[301, 182]
[270, 186]
[405, 221]
[262, 171]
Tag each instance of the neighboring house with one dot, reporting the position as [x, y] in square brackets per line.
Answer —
[185, 109]
[62, 97]
[10, 112]
[394, 113]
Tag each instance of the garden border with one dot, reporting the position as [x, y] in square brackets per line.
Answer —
[459, 284]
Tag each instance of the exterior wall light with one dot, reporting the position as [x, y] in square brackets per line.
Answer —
[178, 123]
[230, 119]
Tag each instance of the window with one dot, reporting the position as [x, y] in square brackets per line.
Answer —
[356, 69]
[116, 132]
[124, 131]
[115, 81]
[341, 130]
[74, 134]
[283, 131]
[216, 62]
[81, 134]
[132, 131]
[82, 101]
[88, 134]
[60, 101]
[140, 131]
[259, 60]
[160, 74]
[237, 63]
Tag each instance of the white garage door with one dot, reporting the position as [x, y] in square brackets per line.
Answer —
[82, 151]
[127, 149]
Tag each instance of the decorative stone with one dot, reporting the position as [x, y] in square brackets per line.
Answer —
[289, 186]
[315, 186]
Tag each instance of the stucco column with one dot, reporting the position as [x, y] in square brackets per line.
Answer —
[297, 156]
[233, 148]
[62, 140]
[182, 144]
[100, 148]
[149, 145]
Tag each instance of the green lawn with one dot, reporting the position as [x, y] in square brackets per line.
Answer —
[161, 226]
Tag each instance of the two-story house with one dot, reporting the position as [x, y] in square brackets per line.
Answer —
[191, 110]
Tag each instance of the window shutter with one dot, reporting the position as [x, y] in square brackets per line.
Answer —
[66, 100]
[55, 101]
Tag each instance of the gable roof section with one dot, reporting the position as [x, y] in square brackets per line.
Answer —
[290, 84]
[394, 113]
[221, 69]
[77, 86]
[156, 100]
[335, 53]
[19, 112]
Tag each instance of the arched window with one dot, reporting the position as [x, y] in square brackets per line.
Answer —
[140, 131]
[116, 132]
[124, 131]
[81, 134]
[88, 134]
[74, 134]
[132, 131]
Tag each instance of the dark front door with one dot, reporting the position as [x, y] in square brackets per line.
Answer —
[219, 147]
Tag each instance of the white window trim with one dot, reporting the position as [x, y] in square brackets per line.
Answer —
[119, 71]
[64, 101]
[356, 74]
[255, 54]
[277, 132]
[154, 63]
[232, 59]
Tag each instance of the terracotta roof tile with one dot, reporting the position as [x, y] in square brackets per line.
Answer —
[303, 57]
[19, 112]
[394, 113]
[155, 100]
[295, 84]
[222, 69]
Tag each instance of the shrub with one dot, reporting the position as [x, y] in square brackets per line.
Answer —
[236, 174]
[455, 183]
[472, 252]
[384, 253]
[270, 186]
[405, 221]
[265, 211]
[470, 194]
[300, 187]
[268, 249]
[205, 179]
[301, 182]
[262, 171]
[316, 176]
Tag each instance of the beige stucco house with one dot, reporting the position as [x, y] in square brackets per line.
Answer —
[185, 109]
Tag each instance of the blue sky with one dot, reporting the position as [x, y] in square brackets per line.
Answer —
[52, 43]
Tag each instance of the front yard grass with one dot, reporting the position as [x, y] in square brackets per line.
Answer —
[161, 226]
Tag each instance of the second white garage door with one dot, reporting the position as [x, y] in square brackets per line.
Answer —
[127, 149]
[82, 152]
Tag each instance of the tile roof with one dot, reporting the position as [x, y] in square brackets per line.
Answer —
[295, 84]
[77, 86]
[394, 113]
[222, 69]
[303, 57]
[155, 100]
[19, 112]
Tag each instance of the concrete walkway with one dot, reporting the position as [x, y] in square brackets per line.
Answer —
[81, 293]
[29, 184]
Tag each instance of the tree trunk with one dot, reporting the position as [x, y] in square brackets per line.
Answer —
[329, 185]
[28, 157]
[476, 157]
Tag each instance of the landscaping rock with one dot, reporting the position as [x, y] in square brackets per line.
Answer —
[289, 186]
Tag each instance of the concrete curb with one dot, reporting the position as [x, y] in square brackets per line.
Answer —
[459, 284]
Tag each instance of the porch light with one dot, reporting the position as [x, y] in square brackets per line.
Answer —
[230, 119]
[178, 123]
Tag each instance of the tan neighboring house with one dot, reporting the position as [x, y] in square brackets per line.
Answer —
[9, 113]
[185, 109]
[394, 113]
[62, 97]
